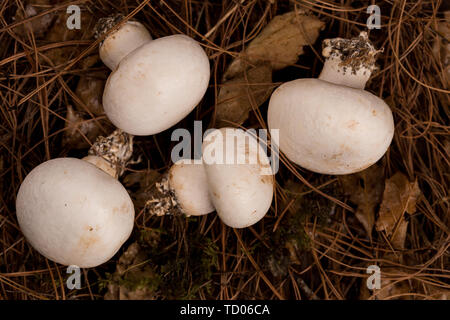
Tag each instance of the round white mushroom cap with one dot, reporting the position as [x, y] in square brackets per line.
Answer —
[157, 85]
[74, 213]
[239, 176]
[188, 181]
[130, 36]
[329, 128]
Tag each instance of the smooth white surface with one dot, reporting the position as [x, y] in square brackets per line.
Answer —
[157, 85]
[329, 128]
[188, 181]
[130, 36]
[240, 193]
[74, 213]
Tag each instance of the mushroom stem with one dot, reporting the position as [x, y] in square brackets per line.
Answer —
[349, 62]
[111, 153]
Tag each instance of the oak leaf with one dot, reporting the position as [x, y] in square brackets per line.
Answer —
[279, 43]
[238, 96]
[400, 196]
[365, 189]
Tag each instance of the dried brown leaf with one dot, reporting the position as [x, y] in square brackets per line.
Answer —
[441, 46]
[76, 123]
[400, 196]
[140, 184]
[248, 79]
[238, 96]
[365, 189]
[279, 43]
[90, 91]
[437, 293]
[390, 289]
[37, 26]
[59, 32]
[134, 278]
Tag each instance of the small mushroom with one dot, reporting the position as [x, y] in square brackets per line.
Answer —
[331, 125]
[130, 36]
[183, 190]
[239, 176]
[156, 84]
[76, 213]
[188, 181]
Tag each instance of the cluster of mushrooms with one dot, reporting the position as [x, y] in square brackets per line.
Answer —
[76, 212]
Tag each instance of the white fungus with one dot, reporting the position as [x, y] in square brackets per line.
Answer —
[331, 125]
[74, 213]
[188, 182]
[154, 83]
[239, 176]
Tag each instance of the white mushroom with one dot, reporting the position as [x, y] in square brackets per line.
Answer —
[331, 125]
[156, 84]
[183, 190]
[239, 176]
[188, 182]
[128, 37]
[75, 212]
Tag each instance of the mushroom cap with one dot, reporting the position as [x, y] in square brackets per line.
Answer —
[130, 36]
[188, 180]
[329, 128]
[74, 213]
[240, 190]
[157, 85]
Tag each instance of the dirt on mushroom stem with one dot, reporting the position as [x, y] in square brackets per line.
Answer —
[354, 54]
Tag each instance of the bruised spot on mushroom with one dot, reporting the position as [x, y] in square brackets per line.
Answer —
[216, 195]
[87, 241]
[268, 179]
[374, 113]
[336, 156]
[122, 209]
[352, 124]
